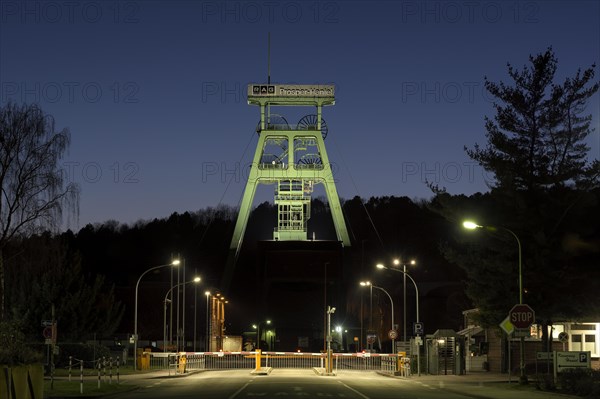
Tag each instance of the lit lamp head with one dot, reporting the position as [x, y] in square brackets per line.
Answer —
[470, 225]
[365, 283]
[397, 262]
[176, 262]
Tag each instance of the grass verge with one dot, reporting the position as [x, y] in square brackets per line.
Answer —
[63, 388]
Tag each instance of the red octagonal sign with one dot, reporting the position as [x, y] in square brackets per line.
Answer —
[522, 316]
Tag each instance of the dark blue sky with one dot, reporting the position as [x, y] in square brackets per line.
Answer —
[154, 91]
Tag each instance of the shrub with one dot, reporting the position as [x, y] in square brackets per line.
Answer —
[86, 352]
[581, 382]
[13, 349]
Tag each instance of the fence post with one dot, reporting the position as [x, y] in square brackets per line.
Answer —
[104, 368]
[99, 367]
[118, 361]
[81, 376]
[110, 370]
[70, 364]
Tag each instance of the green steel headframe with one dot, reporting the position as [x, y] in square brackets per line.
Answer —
[294, 159]
[299, 163]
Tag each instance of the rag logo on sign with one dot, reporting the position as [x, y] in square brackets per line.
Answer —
[261, 90]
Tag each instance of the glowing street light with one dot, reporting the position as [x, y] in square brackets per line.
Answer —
[207, 338]
[258, 331]
[382, 266]
[176, 262]
[467, 224]
[368, 284]
[470, 225]
[391, 300]
[397, 262]
[166, 300]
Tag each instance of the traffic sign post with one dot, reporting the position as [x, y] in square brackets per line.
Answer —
[507, 326]
[522, 316]
[418, 328]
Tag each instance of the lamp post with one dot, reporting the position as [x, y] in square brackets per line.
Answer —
[135, 313]
[259, 332]
[371, 285]
[398, 262]
[330, 311]
[368, 284]
[195, 280]
[381, 266]
[195, 314]
[207, 337]
[470, 225]
[217, 321]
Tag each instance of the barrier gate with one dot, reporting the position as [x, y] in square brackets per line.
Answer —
[183, 362]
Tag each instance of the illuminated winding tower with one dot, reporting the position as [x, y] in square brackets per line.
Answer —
[293, 158]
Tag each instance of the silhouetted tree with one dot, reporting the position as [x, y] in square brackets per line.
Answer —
[543, 190]
[33, 189]
[43, 272]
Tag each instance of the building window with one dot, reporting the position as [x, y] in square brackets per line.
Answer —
[585, 337]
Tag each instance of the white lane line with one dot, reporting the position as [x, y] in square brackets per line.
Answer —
[355, 391]
[236, 393]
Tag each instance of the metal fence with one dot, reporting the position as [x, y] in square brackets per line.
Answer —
[193, 361]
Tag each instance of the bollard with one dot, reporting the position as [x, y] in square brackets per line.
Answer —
[257, 357]
[104, 368]
[81, 376]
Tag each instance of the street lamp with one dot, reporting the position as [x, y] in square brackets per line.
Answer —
[398, 262]
[258, 331]
[207, 338]
[365, 283]
[470, 225]
[368, 284]
[195, 280]
[381, 266]
[135, 315]
[330, 311]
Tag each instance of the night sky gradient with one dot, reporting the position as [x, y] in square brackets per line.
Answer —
[153, 92]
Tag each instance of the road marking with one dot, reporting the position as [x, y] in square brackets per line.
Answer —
[425, 385]
[355, 391]
[236, 393]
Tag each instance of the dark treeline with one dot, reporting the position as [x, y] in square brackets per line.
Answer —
[90, 275]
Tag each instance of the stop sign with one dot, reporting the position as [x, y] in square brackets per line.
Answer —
[521, 316]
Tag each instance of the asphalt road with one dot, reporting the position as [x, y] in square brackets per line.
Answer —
[306, 384]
